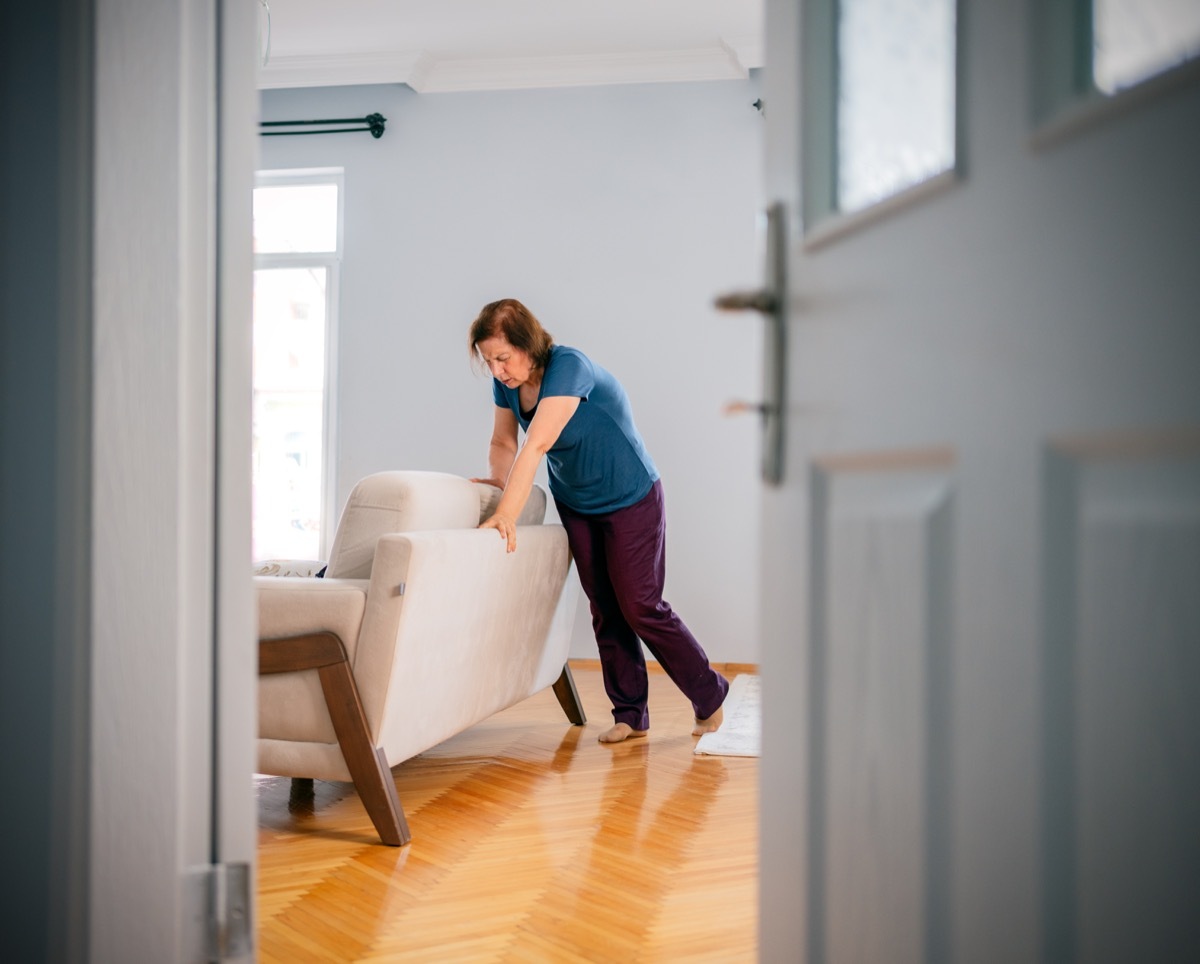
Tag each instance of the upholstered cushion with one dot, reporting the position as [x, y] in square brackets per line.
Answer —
[291, 706]
[534, 513]
[407, 501]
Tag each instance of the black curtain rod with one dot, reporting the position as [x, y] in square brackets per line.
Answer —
[374, 123]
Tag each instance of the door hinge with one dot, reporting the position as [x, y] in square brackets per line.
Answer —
[219, 919]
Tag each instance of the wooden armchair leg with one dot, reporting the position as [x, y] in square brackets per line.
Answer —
[568, 697]
[368, 767]
[366, 762]
[301, 795]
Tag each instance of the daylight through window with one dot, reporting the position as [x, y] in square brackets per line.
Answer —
[297, 247]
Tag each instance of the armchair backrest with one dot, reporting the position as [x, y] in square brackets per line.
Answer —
[411, 501]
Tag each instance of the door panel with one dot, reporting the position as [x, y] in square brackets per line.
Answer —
[980, 645]
[1122, 549]
[880, 549]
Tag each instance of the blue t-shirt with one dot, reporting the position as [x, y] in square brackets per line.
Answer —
[599, 463]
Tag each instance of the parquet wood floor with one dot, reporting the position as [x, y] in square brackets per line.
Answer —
[532, 842]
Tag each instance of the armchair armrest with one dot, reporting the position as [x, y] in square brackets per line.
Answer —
[291, 607]
[291, 705]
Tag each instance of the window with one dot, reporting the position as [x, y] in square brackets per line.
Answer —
[297, 244]
[1088, 53]
[879, 101]
[1133, 40]
[895, 97]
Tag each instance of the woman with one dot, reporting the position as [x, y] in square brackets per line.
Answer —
[577, 416]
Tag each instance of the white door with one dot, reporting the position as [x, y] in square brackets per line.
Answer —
[171, 831]
[981, 570]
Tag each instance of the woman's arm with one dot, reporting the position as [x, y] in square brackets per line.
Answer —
[502, 450]
[552, 416]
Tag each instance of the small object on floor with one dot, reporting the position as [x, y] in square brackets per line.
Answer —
[620, 732]
[741, 733]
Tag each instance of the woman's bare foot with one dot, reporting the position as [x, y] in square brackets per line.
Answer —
[621, 732]
[709, 725]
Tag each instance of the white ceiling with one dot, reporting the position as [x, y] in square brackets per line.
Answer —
[456, 45]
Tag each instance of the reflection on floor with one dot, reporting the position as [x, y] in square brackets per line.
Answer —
[531, 842]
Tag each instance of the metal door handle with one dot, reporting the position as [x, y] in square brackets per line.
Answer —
[762, 300]
[740, 407]
[771, 302]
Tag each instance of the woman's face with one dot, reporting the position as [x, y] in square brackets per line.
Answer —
[511, 366]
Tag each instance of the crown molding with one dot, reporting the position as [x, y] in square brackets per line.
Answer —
[338, 70]
[727, 59]
[745, 49]
[583, 70]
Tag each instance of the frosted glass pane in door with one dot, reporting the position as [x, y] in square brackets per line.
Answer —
[289, 406]
[1136, 39]
[895, 97]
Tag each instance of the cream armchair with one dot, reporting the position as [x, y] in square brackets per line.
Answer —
[422, 627]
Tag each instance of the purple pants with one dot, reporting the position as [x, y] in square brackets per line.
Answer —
[622, 561]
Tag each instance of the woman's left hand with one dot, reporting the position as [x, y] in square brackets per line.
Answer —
[505, 526]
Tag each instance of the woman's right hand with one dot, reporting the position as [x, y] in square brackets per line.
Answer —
[496, 482]
[506, 526]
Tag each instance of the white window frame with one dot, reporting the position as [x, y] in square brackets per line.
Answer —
[331, 261]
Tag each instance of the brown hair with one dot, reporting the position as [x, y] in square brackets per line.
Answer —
[515, 323]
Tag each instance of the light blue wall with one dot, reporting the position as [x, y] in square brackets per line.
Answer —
[616, 214]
